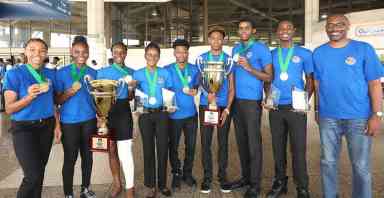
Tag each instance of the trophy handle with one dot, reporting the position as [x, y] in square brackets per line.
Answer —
[121, 82]
[87, 79]
[230, 63]
[199, 62]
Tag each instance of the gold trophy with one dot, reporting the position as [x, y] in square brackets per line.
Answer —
[213, 75]
[104, 95]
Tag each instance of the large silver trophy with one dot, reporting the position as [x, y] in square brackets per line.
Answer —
[104, 95]
[213, 74]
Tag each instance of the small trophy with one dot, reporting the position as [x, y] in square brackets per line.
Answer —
[169, 100]
[213, 75]
[300, 101]
[272, 98]
[104, 95]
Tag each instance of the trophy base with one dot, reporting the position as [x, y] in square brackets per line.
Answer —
[211, 117]
[100, 143]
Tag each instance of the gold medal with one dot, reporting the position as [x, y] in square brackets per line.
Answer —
[76, 85]
[44, 87]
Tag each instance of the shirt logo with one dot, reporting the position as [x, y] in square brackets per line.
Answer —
[296, 59]
[350, 60]
[249, 55]
[160, 80]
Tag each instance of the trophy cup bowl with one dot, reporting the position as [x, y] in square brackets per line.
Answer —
[104, 96]
[213, 75]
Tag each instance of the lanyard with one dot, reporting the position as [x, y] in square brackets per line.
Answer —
[243, 48]
[183, 78]
[284, 64]
[151, 81]
[221, 59]
[77, 76]
[121, 69]
[36, 75]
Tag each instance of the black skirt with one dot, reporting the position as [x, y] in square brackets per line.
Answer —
[120, 120]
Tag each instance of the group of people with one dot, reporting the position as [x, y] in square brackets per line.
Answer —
[343, 74]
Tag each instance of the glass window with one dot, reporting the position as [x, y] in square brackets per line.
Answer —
[4, 34]
[20, 33]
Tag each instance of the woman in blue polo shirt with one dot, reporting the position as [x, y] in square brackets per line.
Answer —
[77, 116]
[29, 100]
[120, 121]
[154, 122]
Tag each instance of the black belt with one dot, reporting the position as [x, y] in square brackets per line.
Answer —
[153, 110]
[285, 107]
[40, 121]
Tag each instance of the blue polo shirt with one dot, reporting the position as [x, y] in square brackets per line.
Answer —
[343, 75]
[247, 86]
[164, 80]
[185, 103]
[18, 80]
[222, 94]
[79, 107]
[300, 63]
[112, 73]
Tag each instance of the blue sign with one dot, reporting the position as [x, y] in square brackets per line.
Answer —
[35, 10]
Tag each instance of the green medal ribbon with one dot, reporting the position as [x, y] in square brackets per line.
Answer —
[183, 78]
[38, 76]
[77, 76]
[284, 64]
[151, 81]
[221, 59]
[119, 68]
[243, 48]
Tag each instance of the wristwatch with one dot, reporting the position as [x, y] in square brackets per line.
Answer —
[378, 114]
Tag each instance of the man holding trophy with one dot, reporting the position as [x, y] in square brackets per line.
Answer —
[185, 83]
[290, 62]
[252, 68]
[153, 122]
[77, 117]
[120, 122]
[215, 104]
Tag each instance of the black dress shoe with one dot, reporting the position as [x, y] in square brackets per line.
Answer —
[190, 181]
[239, 183]
[302, 193]
[166, 192]
[252, 193]
[279, 188]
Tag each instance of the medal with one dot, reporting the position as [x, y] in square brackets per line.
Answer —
[284, 76]
[76, 85]
[236, 57]
[152, 100]
[44, 87]
[186, 90]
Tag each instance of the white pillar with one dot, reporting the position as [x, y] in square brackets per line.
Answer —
[311, 18]
[96, 32]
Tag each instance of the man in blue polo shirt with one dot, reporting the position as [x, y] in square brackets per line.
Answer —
[290, 62]
[347, 81]
[253, 67]
[224, 98]
[185, 83]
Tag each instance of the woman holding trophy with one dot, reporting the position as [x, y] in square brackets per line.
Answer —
[153, 122]
[215, 104]
[29, 100]
[120, 121]
[77, 117]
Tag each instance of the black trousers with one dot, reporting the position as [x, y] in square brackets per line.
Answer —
[189, 126]
[247, 118]
[206, 133]
[75, 138]
[32, 142]
[284, 123]
[154, 134]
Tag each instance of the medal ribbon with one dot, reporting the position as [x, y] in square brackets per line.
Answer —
[183, 78]
[284, 65]
[221, 59]
[38, 76]
[123, 70]
[151, 81]
[244, 48]
[77, 76]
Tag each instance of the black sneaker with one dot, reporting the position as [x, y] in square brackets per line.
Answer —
[205, 187]
[225, 187]
[279, 187]
[302, 193]
[68, 196]
[190, 181]
[239, 183]
[86, 193]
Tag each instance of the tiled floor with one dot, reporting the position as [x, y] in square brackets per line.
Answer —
[10, 172]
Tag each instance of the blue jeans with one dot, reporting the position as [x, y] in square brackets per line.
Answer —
[359, 149]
